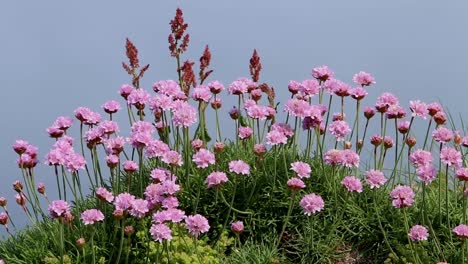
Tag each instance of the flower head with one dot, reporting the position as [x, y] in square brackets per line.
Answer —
[418, 233]
[302, 169]
[58, 208]
[216, 179]
[239, 167]
[363, 78]
[160, 232]
[312, 203]
[237, 227]
[461, 231]
[375, 178]
[197, 224]
[402, 196]
[203, 158]
[89, 217]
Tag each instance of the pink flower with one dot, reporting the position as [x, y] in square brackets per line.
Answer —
[302, 169]
[462, 174]
[442, 135]
[352, 184]
[245, 132]
[104, 194]
[112, 160]
[87, 116]
[434, 108]
[215, 87]
[170, 202]
[293, 86]
[58, 208]
[339, 129]
[256, 111]
[403, 127]
[312, 203]
[283, 128]
[322, 73]
[139, 98]
[334, 157]
[375, 179]
[309, 87]
[173, 158]
[160, 174]
[451, 157]
[203, 158]
[20, 146]
[156, 148]
[358, 93]
[125, 90]
[175, 215]
[461, 231]
[402, 196]
[419, 109]
[111, 107]
[123, 201]
[350, 158]
[296, 184]
[160, 232]
[216, 179]
[114, 145]
[297, 108]
[185, 115]
[130, 166]
[139, 208]
[395, 111]
[169, 88]
[238, 87]
[239, 167]
[418, 233]
[89, 217]
[108, 127]
[385, 101]
[237, 227]
[275, 137]
[420, 158]
[201, 93]
[75, 162]
[197, 224]
[363, 78]
[369, 112]
[426, 173]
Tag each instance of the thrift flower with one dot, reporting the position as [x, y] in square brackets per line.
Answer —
[352, 184]
[216, 179]
[239, 167]
[197, 224]
[375, 179]
[160, 232]
[311, 203]
[237, 227]
[402, 196]
[363, 78]
[89, 217]
[295, 184]
[302, 169]
[58, 208]
[203, 158]
[418, 233]
[451, 157]
[461, 231]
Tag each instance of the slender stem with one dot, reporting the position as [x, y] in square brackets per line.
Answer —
[291, 202]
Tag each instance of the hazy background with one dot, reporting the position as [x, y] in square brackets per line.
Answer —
[58, 55]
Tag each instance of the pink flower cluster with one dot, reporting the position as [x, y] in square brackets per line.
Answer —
[346, 157]
[402, 196]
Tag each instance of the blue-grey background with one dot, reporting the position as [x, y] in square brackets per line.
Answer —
[58, 55]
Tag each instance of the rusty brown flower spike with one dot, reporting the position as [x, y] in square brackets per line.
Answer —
[255, 66]
[205, 60]
[178, 27]
[133, 66]
[188, 76]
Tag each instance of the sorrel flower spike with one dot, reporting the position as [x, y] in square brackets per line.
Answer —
[133, 67]
[255, 66]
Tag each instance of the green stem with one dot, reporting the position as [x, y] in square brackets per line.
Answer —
[293, 196]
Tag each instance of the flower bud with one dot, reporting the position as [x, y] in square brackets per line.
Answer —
[80, 242]
[129, 230]
[348, 145]
[3, 201]
[410, 141]
[219, 147]
[17, 186]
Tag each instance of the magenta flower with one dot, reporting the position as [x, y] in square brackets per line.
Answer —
[358, 93]
[170, 202]
[156, 149]
[293, 86]
[123, 201]
[311, 203]
[112, 160]
[350, 158]
[125, 90]
[245, 132]
[239, 167]
[139, 98]
[309, 88]
[74, 162]
[237, 227]
[175, 215]
[375, 179]
[385, 101]
[402, 196]
[238, 87]
[369, 112]
[462, 174]
[4, 218]
[256, 111]
[363, 78]
[434, 108]
[216, 179]
[419, 109]
[352, 184]
[302, 169]
[111, 107]
[339, 129]
[442, 134]
[418, 233]
[403, 127]
[203, 158]
[426, 173]
[296, 107]
[173, 158]
[58, 208]
[461, 231]
[160, 175]
[169, 88]
[296, 184]
[185, 115]
[139, 208]
[20, 146]
[322, 73]
[91, 216]
[451, 157]
[197, 224]
[160, 232]
[420, 158]
[108, 127]
[275, 137]
[334, 157]
[130, 166]
[104, 195]
[215, 87]
[201, 93]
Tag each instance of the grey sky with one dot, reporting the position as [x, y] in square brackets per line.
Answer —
[58, 55]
